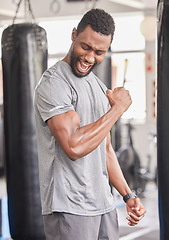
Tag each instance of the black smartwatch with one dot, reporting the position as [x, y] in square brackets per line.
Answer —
[129, 195]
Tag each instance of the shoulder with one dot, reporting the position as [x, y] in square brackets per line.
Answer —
[53, 78]
[99, 82]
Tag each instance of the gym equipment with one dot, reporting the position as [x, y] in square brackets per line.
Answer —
[163, 116]
[130, 163]
[104, 70]
[24, 58]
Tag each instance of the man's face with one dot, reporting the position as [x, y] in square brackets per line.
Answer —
[88, 50]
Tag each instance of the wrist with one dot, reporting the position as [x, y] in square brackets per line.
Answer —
[128, 196]
[118, 108]
[116, 111]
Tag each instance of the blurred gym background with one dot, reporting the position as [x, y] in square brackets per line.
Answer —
[131, 61]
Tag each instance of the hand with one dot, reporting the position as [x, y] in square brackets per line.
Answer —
[135, 211]
[120, 97]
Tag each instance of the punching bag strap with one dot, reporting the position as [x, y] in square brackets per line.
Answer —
[28, 10]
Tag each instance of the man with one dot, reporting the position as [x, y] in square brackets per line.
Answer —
[74, 115]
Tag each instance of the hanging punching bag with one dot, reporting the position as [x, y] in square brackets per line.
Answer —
[24, 58]
[104, 70]
[163, 117]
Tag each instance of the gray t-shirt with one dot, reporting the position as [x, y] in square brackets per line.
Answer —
[82, 186]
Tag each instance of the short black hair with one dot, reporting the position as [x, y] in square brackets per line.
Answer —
[99, 20]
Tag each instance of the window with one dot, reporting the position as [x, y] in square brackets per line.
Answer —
[127, 35]
[134, 81]
[59, 34]
[129, 44]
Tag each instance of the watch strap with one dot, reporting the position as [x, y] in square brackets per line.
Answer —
[129, 195]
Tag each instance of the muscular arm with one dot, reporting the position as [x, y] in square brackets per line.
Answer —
[78, 141]
[114, 171]
[134, 207]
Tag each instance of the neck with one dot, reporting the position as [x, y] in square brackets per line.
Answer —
[67, 57]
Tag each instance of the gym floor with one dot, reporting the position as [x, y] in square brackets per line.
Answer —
[148, 227]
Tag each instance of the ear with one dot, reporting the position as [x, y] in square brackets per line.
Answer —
[74, 34]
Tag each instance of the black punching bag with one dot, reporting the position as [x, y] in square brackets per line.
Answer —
[104, 71]
[163, 117]
[24, 58]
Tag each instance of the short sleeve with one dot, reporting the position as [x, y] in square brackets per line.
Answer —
[53, 97]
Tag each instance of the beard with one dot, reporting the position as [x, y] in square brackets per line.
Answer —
[73, 62]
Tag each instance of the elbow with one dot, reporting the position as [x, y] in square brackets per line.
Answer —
[73, 154]
[73, 157]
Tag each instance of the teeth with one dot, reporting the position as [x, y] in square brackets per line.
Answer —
[85, 64]
[83, 67]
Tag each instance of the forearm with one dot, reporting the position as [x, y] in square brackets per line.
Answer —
[120, 184]
[115, 173]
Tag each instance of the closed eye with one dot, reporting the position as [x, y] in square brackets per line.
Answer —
[87, 47]
[99, 52]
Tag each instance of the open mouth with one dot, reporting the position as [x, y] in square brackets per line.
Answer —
[83, 67]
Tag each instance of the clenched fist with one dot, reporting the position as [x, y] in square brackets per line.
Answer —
[119, 97]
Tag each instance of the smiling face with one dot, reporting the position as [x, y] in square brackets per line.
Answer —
[88, 49]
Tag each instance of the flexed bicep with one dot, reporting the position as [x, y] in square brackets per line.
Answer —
[78, 141]
[63, 127]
